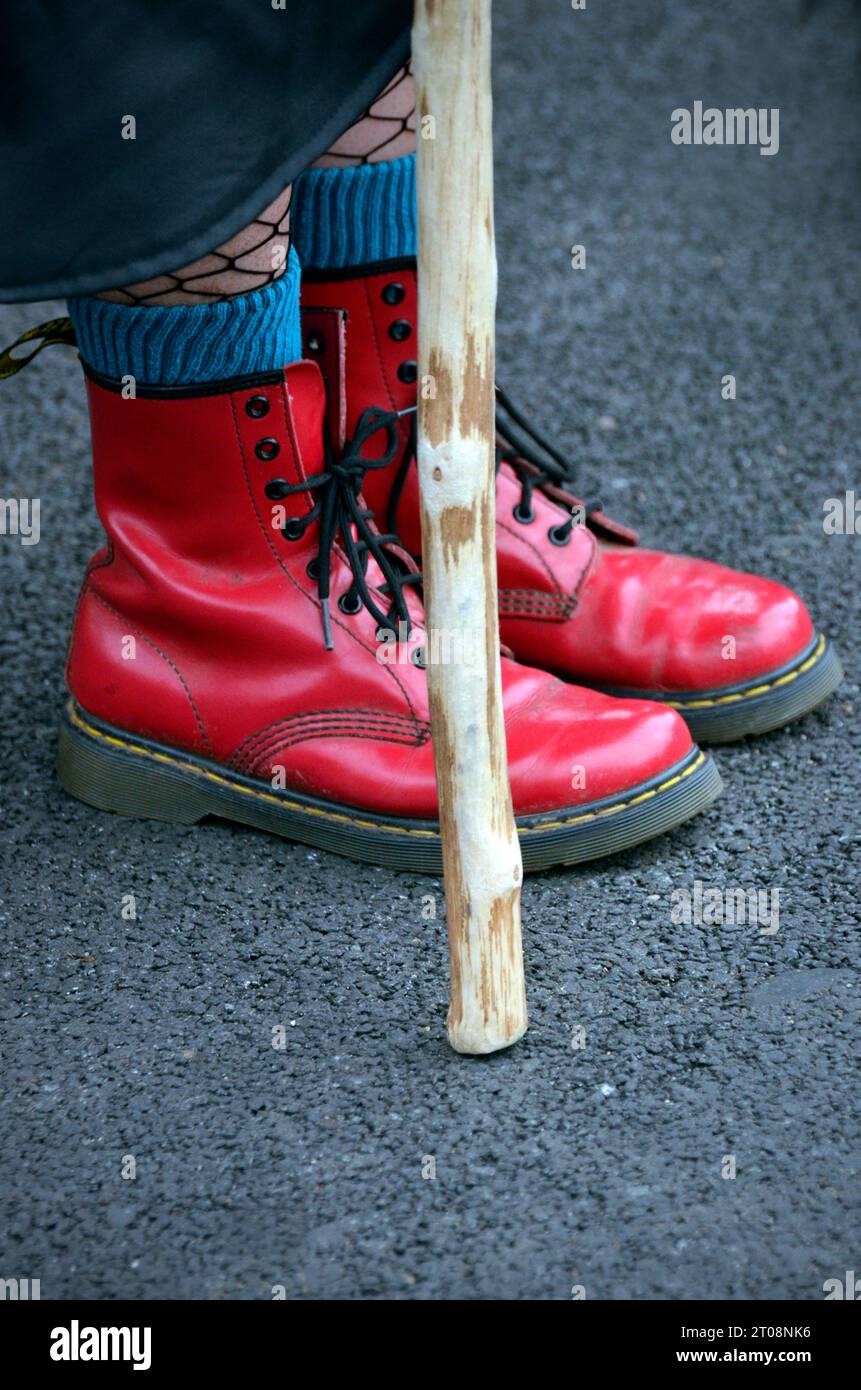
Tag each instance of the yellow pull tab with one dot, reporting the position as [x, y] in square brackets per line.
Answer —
[54, 331]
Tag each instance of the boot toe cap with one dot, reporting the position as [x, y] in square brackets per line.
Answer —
[745, 629]
[573, 746]
[668, 624]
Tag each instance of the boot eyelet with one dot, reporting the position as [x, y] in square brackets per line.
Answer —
[315, 343]
[418, 658]
[351, 607]
[257, 407]
[523, 514]
[408, 371]
[559, 535]
[267, 449]
[393, 293]
[277, 488]
[293, 530]
[312, 569]
[400, 330]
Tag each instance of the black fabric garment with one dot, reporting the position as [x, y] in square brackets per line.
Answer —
[231, 98]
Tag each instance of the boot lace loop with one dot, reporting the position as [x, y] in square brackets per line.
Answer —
[536, 462]
[340, 511]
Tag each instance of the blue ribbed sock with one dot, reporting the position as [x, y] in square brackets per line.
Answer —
[191, 343]
[345, 217]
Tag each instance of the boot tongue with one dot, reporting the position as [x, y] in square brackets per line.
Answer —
[339, 353]
[300, 456]
[324, 340]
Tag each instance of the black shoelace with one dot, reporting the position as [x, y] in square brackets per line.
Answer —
[537, 464]
[338, 509]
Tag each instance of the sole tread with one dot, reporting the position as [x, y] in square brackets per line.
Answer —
[118, 772]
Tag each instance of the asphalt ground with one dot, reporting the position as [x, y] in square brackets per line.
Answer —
[555, 1164]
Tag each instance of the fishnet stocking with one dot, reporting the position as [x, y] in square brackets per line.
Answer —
[258, 254]
[386, 131]
[253, 258]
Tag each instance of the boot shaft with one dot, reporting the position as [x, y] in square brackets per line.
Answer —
[199, 624]
[189, 471]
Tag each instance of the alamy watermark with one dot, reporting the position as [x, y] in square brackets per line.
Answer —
[735, 125]
[840, 1289]
[77, 1343]
[842, 515]
[732, 906]
[20, 516]
[441, 647]
[20, 1290]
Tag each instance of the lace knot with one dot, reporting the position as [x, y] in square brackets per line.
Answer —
[339, 512]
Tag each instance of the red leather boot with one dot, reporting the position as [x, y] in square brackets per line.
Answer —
[734, 653]
[231, 650]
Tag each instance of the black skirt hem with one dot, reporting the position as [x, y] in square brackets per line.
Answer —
[209, 230]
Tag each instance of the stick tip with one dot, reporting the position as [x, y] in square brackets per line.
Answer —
[481, 1039]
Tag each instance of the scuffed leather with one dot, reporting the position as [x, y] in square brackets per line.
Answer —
[658, 622]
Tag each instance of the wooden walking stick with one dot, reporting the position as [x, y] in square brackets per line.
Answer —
[456, 456]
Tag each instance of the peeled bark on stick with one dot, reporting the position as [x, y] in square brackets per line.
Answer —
[456, 433]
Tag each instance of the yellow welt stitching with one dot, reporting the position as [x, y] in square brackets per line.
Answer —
[237, 786]
[644, 796]
[368, 824]
[756, 690]
[593, 815]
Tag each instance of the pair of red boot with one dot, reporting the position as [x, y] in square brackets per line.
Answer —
[232, 649]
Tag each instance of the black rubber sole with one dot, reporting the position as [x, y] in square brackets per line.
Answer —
[119, 772]
[722, 716]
